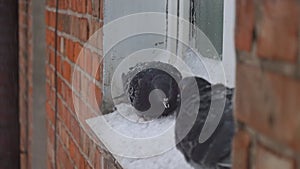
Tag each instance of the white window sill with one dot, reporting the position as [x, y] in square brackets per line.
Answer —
[137, 144]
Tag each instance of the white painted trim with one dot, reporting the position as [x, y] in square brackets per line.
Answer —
[229, 55]
[172, 26]
[228, 60]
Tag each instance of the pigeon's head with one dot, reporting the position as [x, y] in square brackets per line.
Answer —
[154, 93]
[168, 93]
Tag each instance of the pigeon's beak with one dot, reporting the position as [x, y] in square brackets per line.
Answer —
[166, 103]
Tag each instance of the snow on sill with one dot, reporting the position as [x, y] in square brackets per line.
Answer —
[136, 143]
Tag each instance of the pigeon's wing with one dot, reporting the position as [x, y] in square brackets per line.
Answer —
[220, 146]
[220, 142]
[216, 149]
[189, 121]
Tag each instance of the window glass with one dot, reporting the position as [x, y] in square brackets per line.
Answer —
[207, 15]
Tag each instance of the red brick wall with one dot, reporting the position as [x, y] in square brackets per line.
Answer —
[25, 79]
[268, 85]
[69, 146]
[9, 122]
[267, 41]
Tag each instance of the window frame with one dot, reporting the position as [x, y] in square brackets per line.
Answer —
[228, 60]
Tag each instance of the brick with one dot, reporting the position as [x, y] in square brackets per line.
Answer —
[99, 73]
[63, 4]
[80, 6]
[76, 80]
[51, 56]
[99, 96]
[23, 160]
[79, 28]
[95, 64]
[286, 94]
[67, 71]
[72, 149]
[84, 89]
[63, 88]
[250, 99]
[84, 31]
[50, 19]
[23, 6]
[51, 3]
[60, 40]
[267, 102]
[244, 24]
[278, 30]
[82, 162]
[101, 9]
[59, 64]
[51, 77]
[84, 141]
[93, 7]
[68, 163]
[75, 129]
[88, 61]
[59, 89]
[66, 116]
[50, 132]
[50, 156]
[70, 49]
[89, 7]
[88, 166]
[96, 37]
[77, 52]
[64, 23]
[95, 26]
[72, 5]
[268, 159]
[50, 113]
[92, 97]
[97, 159]
[241, 150]
[92, 151]
[70, 102]
[50, 38]
[62, 158]
[64, 136]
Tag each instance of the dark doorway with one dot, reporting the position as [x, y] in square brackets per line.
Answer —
[9, 118]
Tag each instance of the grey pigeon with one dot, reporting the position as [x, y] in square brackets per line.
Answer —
[198, 98]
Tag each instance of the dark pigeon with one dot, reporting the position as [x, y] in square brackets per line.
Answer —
[164, 100]
[215, 152]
